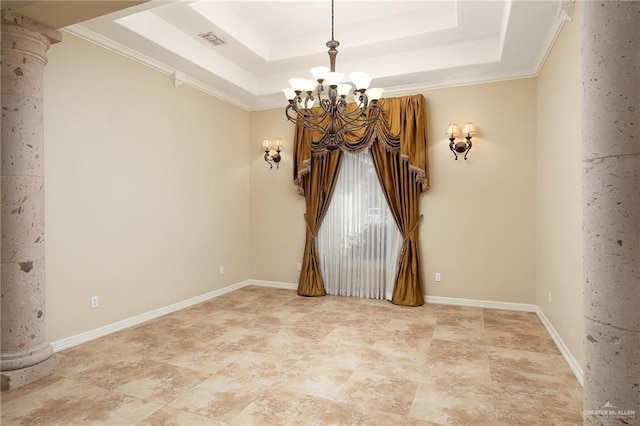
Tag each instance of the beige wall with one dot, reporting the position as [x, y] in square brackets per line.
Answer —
[147, 189]
[277, 223]
[560, 187]
[479, 228]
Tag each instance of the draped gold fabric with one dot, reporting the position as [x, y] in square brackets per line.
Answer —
[402, 193]
[399, 148]
[318, 185]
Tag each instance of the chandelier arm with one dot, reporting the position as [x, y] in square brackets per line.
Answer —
[308, 125]
[307, 116]
[315, 128]
[351, 114]
[353, 121]
[344, 130]
[355, 113]
[288, 114]
[321, 101]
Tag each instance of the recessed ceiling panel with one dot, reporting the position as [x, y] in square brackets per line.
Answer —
[403, 45]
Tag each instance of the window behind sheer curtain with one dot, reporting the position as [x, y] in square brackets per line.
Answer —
[359, 241]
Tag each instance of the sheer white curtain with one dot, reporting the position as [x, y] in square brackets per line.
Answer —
[358, 240]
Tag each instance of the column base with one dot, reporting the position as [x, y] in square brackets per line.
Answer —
[16, 378]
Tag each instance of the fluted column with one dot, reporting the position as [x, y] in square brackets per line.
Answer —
[25, 353]
[611, 211]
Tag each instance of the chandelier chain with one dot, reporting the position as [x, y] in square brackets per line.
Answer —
[332, 37]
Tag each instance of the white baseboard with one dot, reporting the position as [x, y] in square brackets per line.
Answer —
[87, 336]
[568, 356]
[525, 307]
[273, 284]
[69, 342]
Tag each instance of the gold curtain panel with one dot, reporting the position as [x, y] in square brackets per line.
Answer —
[399, 150]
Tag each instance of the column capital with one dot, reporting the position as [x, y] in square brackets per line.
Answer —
[7, 16]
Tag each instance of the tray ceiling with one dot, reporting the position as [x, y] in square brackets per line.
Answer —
[405, 46]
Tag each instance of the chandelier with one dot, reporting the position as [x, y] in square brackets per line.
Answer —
[334, 116]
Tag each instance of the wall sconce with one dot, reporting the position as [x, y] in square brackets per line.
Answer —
[461, 146]
[272, 152]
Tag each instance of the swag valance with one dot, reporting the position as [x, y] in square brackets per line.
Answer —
[399, 150]
[403, 130]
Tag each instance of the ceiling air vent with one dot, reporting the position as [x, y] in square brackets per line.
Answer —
[212, 38]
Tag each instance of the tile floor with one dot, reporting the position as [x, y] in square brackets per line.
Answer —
[264, 356]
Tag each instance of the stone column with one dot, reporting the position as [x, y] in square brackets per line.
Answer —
[25, 353]
[611, 211]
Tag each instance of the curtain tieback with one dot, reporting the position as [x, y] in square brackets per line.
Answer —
[410, 233]
[306, 222]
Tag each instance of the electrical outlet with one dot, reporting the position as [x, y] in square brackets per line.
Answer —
[94, 302]
[438, 277]
[549, 297]
[222, 270]
[299, 266]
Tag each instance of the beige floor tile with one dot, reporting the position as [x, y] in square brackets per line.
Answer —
[310, 332]
[257, 368]
[411, 328]
[525, 325]
[507, 382]
[30, 388]
[172, 352]
[242, 339]
[267, 356]
[371, 392]
[172, 417]
[220, 398]
[576, 393]
[414, 370]
[413, 341]
[339, 414]
[453, 402]
[210, 361]
[341, 355]
[457, 359]
[149, 380]
[381, 418]
[71, 403]
[525, 361]
[528, 342]
[522, 408]
[287, 345]
[314, 379]
[87, 356]
[462, 316]
[280, 407]
[352, 336]
[458, 333]
[414, 350]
